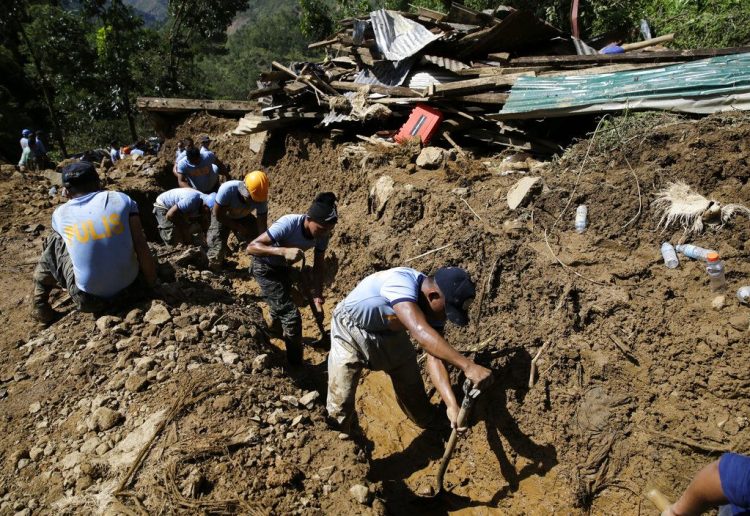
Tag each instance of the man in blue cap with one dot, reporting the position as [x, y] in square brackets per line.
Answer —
[24, 141]
[198, 172]
[373, 326]
[96, 248]
[179, 210]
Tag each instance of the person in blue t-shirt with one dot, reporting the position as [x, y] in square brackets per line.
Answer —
[373, 326]
[724, 483]
[195, 171]
[96, 248]
[182, 147]
[276, 250]
[114, 153]
[207, 153]
[180, 211]
[233, 213]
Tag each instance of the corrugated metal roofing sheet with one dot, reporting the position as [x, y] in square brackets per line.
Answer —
[398, 37]
[445, 62]
[385, 73]
[705, 86]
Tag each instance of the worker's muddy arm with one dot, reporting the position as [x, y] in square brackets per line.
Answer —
[181, 223]
[182, 181]
[413, 319]
[442, 382]
[703, 493]
[143, 253]
[319, 276]
[263, 246]
[222, 215]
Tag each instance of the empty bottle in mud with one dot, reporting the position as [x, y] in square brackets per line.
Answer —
[669, 255]
[715, 270]
[694, 252]
[581, 218]
[743, 294]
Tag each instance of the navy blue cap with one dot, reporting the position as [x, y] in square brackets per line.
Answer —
[79, 172]
[458, 291]
[26, 132]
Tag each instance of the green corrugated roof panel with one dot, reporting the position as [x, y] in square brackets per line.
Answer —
[704, 86]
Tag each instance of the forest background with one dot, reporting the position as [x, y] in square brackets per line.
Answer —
[73, 68]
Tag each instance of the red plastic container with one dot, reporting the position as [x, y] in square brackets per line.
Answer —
[423, 122]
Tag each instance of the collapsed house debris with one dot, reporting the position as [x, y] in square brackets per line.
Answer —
[482, 71]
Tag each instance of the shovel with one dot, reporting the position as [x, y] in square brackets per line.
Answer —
[325, 337]
[470, 395]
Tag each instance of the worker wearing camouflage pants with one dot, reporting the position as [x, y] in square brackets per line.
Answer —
[373, 326]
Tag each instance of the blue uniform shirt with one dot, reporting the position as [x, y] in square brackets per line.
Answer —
[734, 473]
[96, 229]
[238, 206]
[288, 231]
[188, 201]
[371, 302]
[203, 177]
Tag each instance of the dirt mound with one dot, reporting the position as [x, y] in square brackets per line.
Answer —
[643, 379]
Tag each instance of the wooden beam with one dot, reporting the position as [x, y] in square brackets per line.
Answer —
[325, 43]
[483, 98]
[485, 71]
[477, 85]
[647, 43]
[307, 81]
[393, 91]
[637, 57]
[167, 105]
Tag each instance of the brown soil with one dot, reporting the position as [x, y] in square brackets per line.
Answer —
[642, 383]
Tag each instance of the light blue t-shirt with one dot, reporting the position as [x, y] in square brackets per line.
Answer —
[179, 155]
[207, 154]
[372, 300]
[188, 201]
[114, 155]
[238, 206]
[288, 231]
[203, 177]
[96, 229]
[24, 143]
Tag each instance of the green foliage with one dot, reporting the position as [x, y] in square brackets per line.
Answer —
[702, 23]
[249, 51]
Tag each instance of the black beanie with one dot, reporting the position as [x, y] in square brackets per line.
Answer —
[323, 209]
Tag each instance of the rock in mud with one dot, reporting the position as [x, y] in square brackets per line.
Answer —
[157, 314]
[106, 322]
[361, 494]
[522, 192]
[380, 192]
[188, 335]
[228, 357]
[136, 383]
[309, 399]
[260, 363]
[35, 407]
[431, 158]
[103, 419]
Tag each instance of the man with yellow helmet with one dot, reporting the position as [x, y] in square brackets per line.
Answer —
[232, 212]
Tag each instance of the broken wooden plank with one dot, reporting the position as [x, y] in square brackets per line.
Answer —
[483, 98]
[499, 56]
[593, 70]
[627, 47]
[305, 80]
[485, 71]
[320, 44]
[165, 105]
[636, 57]
[428, 13]
[262, 92]
[477, 85]
[394, 91]
[293, 88]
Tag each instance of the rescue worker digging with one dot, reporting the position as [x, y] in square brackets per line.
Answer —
[232, 212]
[282, 245]
[371, 329]
[95, 250]
[179, 211]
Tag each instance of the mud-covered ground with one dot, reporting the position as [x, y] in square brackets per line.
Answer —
[644, 378]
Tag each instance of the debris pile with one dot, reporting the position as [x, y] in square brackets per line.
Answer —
[464, 65]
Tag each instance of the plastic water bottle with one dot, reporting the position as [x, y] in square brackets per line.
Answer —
[743, 294]
[694, 252]
[581, 215]
[715, 270]
[669, 255]
[52, 191]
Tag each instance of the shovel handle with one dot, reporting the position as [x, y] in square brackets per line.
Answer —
[463, 414]
[657, 498]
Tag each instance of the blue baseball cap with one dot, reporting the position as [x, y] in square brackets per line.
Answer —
[26, 133]
[77, 173]
[458, 291]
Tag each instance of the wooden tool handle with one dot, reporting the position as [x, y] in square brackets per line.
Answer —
[658, 499]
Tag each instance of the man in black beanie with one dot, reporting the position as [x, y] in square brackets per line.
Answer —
[275, 251]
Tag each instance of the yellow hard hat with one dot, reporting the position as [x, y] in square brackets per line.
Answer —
[256, 183]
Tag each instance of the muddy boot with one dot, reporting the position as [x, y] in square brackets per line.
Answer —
[294, 350]
[41, 310]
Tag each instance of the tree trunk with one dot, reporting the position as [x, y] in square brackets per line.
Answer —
[45, 90]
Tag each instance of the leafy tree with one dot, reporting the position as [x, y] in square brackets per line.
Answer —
[195, 27]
